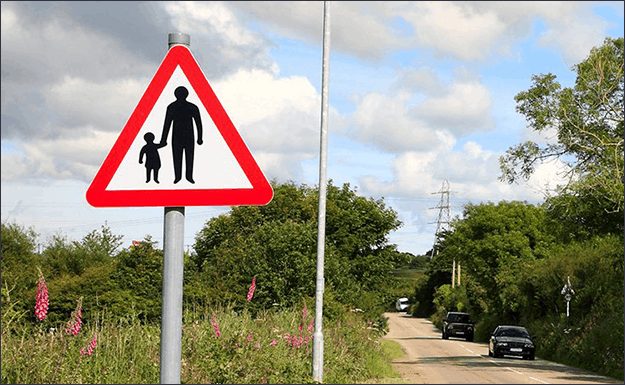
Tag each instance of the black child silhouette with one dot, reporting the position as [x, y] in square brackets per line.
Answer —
[152, 159]
[182, 114]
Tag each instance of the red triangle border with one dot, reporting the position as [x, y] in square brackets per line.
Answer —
[261, 192]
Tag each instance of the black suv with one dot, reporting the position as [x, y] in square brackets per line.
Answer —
[458, 324]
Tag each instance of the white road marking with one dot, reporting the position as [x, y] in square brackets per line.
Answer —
[536, 379]
[514, 371]
[496, 363]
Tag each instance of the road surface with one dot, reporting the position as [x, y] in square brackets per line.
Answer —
[433, 360]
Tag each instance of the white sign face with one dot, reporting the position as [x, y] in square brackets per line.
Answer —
[214, 165]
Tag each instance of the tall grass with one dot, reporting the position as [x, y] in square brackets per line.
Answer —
[273, 347]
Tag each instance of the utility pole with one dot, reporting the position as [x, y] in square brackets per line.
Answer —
[317, 350]
[453, 274]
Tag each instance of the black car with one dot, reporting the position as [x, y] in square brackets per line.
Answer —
[458, 324]
[511, 340]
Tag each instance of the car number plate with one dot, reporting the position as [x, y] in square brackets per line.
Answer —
[516, 350]
[459, 332]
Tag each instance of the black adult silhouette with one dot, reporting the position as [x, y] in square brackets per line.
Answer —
[152, 159]
[182, 114]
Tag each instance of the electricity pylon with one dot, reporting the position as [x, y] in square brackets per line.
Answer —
[442, 223]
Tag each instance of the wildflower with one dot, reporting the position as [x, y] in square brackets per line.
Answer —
[250, 293]
[311, 325]
[301, 326]
[41, 308]
[249, 337]
[273, 343]
[304, 312]
[257, 346]
[91, 346]
[214, 323]
[75, 322]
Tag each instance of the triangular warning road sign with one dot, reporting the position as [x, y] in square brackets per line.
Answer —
[179, 148]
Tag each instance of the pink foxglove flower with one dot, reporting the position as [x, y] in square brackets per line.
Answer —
[249, 337]
[273, 343]
[304, 312]
[250, 293]
[214, 323]
[311, 325]
[301, 326]
[75, 322]
[41, 308]
[89, 348]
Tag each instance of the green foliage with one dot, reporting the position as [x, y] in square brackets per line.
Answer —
[592, 337]
[93, 285]
[138, 278]
[492, 242]
[19, 259]
[588, 119]
[277, 244]
[64, 257]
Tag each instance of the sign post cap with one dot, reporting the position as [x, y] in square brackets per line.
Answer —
[178, 38]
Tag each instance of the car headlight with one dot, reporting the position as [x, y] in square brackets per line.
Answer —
[502, 344]
[470, 328]
[528, 346]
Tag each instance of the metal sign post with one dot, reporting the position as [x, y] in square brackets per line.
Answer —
[173, 268]
[568, 292]
[317, 359]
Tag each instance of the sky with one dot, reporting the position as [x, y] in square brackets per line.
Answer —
[420, 93]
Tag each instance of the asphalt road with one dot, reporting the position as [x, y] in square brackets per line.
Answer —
[432, 360]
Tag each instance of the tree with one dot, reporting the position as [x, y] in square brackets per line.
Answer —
[493, 242]
[276, 243]
[19, 260]
[588, 119]
[138, 281]
[63, 256]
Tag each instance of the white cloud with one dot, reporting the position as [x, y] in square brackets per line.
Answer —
[279, 115]
[450, 29]
[386, 122]
[106, 105]
[473, 173]
[470, 31]
[61, 158]
[465, 108]
[395, 122]
[222, 42]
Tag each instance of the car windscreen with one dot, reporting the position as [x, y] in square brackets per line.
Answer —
[459, 318]
[510, 332]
